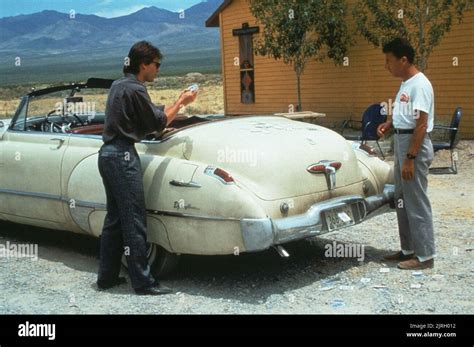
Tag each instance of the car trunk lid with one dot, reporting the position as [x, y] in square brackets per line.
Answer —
[272, 156]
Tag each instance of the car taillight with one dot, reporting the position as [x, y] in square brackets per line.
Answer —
[321, 166]
[219, 173]
[317, 168]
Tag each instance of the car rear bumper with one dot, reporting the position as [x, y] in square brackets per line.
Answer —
[260, 234]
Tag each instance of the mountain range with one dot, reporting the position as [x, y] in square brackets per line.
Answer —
[53, 38]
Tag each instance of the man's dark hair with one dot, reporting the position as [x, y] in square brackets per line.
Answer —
[400, 48]
[141, 52]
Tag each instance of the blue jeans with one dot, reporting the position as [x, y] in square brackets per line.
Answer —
[124, 230]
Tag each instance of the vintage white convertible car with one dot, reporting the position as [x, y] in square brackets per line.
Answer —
[213, 185]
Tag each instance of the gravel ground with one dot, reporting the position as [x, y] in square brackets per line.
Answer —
[62, 280]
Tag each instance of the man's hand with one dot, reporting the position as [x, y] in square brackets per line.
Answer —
[383, 128]
[184, 99]
[408, 169]
[187, 97]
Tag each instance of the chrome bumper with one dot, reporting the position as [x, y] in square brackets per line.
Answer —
[260, 234]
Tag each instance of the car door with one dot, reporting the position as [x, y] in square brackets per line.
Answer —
[30, 183]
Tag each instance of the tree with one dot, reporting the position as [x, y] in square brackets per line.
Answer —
[422, 22]
[297, 31]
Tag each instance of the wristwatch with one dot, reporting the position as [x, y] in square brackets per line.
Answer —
[411, 156]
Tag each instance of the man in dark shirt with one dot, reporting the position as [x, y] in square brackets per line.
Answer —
[130, 115]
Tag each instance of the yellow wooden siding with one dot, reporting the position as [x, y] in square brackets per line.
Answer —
[344, 92]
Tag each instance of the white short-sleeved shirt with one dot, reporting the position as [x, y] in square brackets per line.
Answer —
[415, 94]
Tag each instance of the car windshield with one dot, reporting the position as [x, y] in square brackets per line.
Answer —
[81, 111]
[82, 103]
[85, 103]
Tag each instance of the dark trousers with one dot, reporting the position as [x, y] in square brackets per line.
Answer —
[124, 230]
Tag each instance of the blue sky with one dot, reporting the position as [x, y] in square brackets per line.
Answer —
[103, 8]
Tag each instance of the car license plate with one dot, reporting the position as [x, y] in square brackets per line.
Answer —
[339, 218]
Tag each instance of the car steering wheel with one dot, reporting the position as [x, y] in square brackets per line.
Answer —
[49, 114]
[77, 117]
[62, 116]
[49, 126]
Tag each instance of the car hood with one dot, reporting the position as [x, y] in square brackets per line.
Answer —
[270, 155]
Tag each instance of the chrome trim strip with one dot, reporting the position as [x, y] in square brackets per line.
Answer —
[99, 137]
[34, 219]
[185, 184]
[80, 203]
[88, 136]
[42, 133]
[83, 203]
[95, 205]
[32, 194]
[184, 215]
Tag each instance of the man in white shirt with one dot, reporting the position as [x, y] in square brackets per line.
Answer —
[412, 120]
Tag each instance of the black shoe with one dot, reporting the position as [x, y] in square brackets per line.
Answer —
[157, 289]
[103, 285]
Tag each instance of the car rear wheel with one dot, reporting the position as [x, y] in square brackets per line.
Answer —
[162, 263]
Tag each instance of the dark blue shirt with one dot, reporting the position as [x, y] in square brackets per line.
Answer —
[130, 114]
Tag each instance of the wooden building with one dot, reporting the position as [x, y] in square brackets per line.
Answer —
[342, 92]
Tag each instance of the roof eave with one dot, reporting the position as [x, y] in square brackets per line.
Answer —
[213, 20]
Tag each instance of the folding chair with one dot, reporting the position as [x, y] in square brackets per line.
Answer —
[449, 143]
[373, 116]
